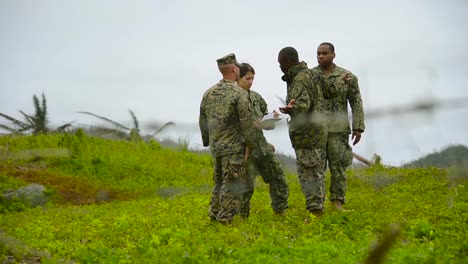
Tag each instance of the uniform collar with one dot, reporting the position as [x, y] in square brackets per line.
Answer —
[293, 71]
[228, 81]
[336, 71]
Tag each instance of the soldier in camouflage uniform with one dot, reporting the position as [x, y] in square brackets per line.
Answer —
[307, 127]
[262, 159]
[339, 151]
[226, 126]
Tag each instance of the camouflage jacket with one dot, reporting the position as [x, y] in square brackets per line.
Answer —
[338, 106]
[307, 128]
[226, 119]
[259, 109]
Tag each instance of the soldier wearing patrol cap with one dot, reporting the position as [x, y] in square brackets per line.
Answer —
[226, 127]
[227, 60]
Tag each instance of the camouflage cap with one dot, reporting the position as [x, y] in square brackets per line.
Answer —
[228, 59]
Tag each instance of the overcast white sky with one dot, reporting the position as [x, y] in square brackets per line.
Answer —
[158, 57]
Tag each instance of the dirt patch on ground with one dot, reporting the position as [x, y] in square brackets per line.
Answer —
[69, 189]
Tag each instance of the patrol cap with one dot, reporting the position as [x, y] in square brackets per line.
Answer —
[228, 59]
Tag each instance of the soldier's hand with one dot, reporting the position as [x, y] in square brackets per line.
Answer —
[272, 147]
[257, 124]
[356, 137]
[347, 77]
[287, 109]
[275, 114]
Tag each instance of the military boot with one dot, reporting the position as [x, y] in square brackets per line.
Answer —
[337, 205]
[279, 212]
[314, 214]
[225, 223]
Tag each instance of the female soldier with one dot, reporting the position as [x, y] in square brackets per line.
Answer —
[262, 159]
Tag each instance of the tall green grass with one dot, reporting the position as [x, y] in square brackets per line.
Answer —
[166, 220]
[121, 165]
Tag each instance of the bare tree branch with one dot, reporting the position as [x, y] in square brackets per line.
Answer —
[135, 120]
[118, 125]
[14, 121]
[163, 127]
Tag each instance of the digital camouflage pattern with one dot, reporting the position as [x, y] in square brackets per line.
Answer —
[338, 105]
[226, 119]
[308, 127]
[230, 177]
[339, 157]
[226, 126]
[270, 170]
[259, 109]
[339, 152]
[308, 130]
[310, 164]
[228, 59]
[264, 161]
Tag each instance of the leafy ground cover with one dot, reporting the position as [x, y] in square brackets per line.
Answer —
[135, 202]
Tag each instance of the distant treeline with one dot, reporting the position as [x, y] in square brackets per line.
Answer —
[451, 156]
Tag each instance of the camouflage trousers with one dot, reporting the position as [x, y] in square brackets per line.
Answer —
[230, 178]
[311, 173]
[270, 170]
[339, 157]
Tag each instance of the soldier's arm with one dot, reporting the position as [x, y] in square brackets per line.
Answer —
[244, 110]
[263, 105]
[355, 101]
[298, 91]
[203, 124]
[264, 109]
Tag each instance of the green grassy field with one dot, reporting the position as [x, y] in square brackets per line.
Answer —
[135, 202]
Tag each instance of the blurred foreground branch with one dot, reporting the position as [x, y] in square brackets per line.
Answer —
[377, 254]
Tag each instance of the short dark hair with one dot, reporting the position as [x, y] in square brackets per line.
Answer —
[332, 48]
[289, 53]
[245, 68]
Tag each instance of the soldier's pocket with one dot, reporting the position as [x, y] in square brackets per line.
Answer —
[347, 156]
[236, 167]
[330, 92]
[310, 158]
